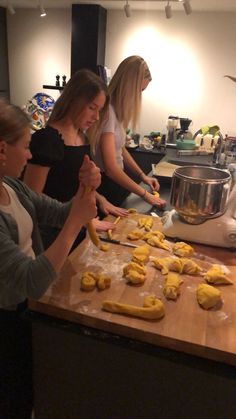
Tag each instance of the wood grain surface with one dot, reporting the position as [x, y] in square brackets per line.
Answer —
[186, 326]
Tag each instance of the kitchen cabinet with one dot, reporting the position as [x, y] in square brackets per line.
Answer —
[88, 37]
[4, 73]
[93, 364]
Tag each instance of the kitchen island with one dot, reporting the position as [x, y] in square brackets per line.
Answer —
[90, 364]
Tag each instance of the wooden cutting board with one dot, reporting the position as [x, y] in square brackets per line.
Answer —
[186, 326]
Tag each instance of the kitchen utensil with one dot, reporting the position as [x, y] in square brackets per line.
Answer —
[113, 241]
[172, 127]
[220, 231]
[185, 143]
[199, 192]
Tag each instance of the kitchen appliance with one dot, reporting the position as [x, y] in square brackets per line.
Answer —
[172, 128]
[184, 132]
[204, 208]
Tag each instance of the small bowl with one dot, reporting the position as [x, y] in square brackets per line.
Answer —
[185, 143]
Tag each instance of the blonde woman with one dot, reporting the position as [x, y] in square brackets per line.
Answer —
[130, 79]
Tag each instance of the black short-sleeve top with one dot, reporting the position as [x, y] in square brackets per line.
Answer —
[48, 149]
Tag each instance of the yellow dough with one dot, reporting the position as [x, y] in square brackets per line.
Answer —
[171, 289]
[103, 282]
[156, 242]
[132, 211]
[88, 281]
[141, 254]
[190, 267]
[135, 235]
[146, 222]
[208, 296]
[216, 275]
[167, 264]
[152, 309]
[104, 247]
[109, 232]
[134, 273]
[155, 233]
[182, 249]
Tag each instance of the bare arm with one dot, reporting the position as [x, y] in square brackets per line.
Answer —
[35, 177]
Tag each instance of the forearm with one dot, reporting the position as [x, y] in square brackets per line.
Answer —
[131, 163]
[120, 177]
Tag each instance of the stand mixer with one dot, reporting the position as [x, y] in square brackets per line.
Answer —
[217, 231]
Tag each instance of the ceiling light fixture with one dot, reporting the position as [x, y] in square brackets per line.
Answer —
[168, 10]
[42, 10]
[187, 7]
[10, 8]
[127, 9]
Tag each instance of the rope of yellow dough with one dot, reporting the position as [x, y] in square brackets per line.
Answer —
[109, 232]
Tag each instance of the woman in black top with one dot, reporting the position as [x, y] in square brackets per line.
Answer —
[59, 148]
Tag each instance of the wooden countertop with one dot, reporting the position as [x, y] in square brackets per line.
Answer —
[186, 326]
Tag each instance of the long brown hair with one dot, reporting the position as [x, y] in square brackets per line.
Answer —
[80, 90]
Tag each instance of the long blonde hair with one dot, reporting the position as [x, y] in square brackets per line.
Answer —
[125, 90]
[13, 122]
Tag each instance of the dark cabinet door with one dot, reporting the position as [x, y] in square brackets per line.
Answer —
[4, 71]
[88, 37]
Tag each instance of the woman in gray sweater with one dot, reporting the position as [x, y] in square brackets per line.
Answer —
[26, 271]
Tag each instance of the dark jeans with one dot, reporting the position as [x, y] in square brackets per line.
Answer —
[113, 192]
[16, 387]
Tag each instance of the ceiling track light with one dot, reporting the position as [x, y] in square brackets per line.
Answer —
[10, 8]
[127, 9]
[168, 10]
[42, 10]
[187, 7]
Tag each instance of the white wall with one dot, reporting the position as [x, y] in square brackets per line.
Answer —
[187, 55]
[39, 49]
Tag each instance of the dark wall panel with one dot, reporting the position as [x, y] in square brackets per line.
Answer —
[4, 71]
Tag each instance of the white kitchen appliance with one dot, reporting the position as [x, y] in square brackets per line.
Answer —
[219, 231]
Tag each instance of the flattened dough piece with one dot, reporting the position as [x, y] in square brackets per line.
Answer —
[207, 296]
[156, 242]
[171, 289]
[216, 275]
[141, 254]
[152, 309]
[103, 282]
[182, 249]
[135, 235]
[146, 223]
[155, 233]
[170, 263]
[190, 267]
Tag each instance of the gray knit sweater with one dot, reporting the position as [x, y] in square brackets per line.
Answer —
[21, 276]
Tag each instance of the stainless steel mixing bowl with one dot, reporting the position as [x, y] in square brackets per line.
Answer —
[199, 192]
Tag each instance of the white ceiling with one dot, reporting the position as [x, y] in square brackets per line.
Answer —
[198, 5]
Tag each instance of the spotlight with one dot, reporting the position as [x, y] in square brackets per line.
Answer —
[42, 10]
[127, 9]
[10, 8]
[168, 10]
[187, 7]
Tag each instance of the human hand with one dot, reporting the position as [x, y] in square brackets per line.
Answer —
[154, 200]
[152, 182]
[83, 207]
[101, 225]
[108, 208]
[89, 174]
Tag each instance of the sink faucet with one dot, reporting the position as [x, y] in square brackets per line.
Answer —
[218, 149]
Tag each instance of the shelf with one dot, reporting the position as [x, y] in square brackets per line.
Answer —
[47, 86]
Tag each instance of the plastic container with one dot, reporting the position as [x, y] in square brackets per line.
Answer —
[185, 143]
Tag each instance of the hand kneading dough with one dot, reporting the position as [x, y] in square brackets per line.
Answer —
[141, 254]
[171, 289]
[167, 264]
[182, 249]
[216, 275]
[208, 296]
[135, 235]
[152, 309]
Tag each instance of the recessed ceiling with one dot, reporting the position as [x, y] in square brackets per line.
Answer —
[198, 5]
